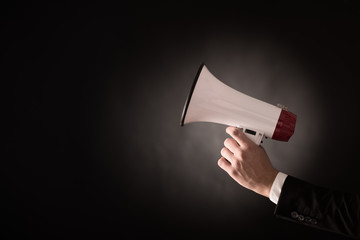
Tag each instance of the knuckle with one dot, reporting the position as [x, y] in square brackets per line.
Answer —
[234, 131]
[236, 164]
[241, 155]
[234, 172]
[245, 147]
[237, 153]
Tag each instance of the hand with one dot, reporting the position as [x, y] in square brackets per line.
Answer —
[247, 163]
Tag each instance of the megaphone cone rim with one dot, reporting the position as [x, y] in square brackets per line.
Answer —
[188, 99]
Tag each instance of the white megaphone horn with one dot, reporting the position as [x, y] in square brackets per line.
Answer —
[210, 100]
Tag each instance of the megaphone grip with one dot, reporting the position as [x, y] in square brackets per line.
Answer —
[255, 136]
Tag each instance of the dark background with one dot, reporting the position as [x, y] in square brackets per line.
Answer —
[93, 95]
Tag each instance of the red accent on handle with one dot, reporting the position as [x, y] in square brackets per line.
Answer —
[285, 126]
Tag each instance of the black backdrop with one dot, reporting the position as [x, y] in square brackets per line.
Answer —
[93, 95]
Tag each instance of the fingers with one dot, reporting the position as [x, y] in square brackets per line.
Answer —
[232, 145]
[224, 164]
[227, 154]
[232, 153]
[239, 136]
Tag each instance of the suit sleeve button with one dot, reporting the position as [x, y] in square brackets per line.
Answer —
[314, 221]
[301, 218]
[294, 214]
[308, 219]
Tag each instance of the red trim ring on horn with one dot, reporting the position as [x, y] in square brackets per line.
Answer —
[285, 126]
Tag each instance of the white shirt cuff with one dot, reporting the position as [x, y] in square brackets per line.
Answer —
[277, 186]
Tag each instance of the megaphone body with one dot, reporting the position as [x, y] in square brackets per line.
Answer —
[210, 100]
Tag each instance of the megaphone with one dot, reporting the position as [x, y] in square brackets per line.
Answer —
[210, 100]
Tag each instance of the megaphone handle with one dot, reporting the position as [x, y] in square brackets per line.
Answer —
[254, 136]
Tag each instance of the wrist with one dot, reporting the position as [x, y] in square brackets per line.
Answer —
[268, 182]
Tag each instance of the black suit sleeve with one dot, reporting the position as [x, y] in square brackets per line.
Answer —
[319, 207]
